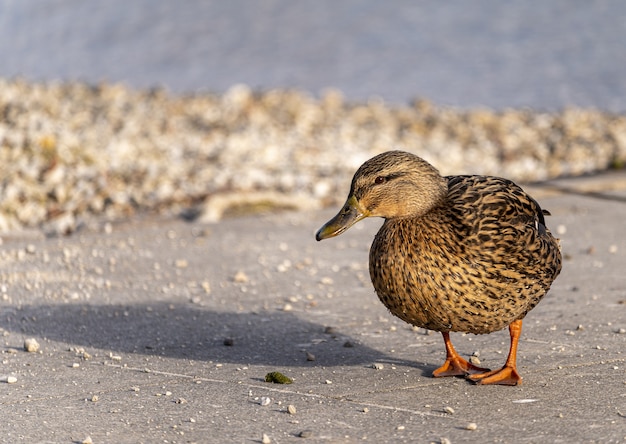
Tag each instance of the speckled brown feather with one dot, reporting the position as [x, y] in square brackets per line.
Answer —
[478, 260]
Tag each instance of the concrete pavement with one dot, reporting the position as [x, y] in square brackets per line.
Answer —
[163, 331]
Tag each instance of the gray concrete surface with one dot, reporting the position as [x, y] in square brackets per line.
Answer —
[132, 321]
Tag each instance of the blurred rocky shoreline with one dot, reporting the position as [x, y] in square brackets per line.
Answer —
[73, 152]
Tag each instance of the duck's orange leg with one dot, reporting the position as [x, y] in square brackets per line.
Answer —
[507, 375]
[455, 365]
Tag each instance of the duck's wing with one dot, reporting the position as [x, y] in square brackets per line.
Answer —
[503, 223]
[493, 199]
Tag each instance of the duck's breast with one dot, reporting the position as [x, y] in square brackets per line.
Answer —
[475, 267]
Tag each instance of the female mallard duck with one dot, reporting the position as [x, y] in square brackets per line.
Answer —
[455, 253]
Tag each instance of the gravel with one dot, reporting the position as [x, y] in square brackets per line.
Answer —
[70, 152]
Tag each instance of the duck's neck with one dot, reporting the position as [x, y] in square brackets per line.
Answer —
[420, 198]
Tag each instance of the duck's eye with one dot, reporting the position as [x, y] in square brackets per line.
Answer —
[380, 179]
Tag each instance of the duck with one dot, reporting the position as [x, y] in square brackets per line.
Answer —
[465, 253]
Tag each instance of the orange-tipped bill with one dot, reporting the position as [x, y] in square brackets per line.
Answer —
[350, 214]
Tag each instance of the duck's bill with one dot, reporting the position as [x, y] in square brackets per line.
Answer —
[350, 214]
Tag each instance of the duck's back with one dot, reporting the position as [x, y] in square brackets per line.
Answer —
[480, 260]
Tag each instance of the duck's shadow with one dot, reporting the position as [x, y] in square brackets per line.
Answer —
[188, 331]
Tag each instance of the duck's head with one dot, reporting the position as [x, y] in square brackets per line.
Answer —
[391, 185]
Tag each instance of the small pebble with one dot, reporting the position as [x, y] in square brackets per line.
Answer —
[240, 277]
[444, 441]
[377, 366]
[474, 360]
[265, 401]
[310, 356]
[291, 409]
[401, 427]
[196, 300]
[266, 439]
[326, 281]
[328, 381]
[471, 426]
[95, 398]
[330, 330]
[348, 344]
[448, 410]
[229, 342]
[10, 379]
[284, 266]
[87, 440]
[31, 345]
[365, 409]
[181, 263]
[206, 286]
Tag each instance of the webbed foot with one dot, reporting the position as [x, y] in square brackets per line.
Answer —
[457, 366]
[504, 376]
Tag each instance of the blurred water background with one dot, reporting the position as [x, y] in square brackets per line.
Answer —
[533, 53]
